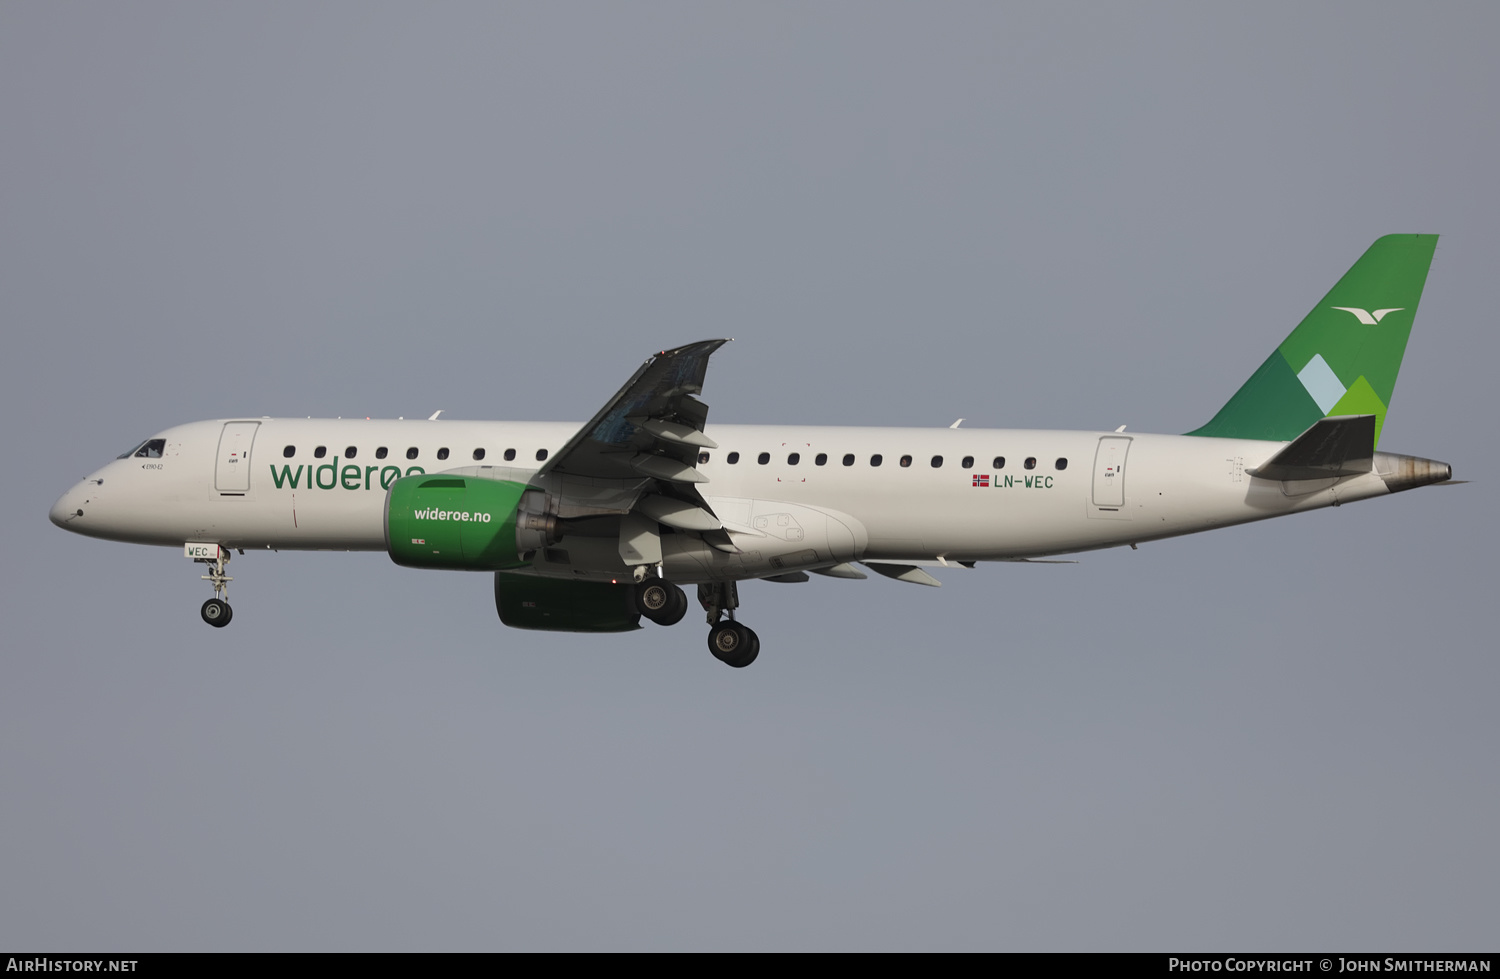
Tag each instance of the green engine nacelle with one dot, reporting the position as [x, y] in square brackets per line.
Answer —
[463, 523]
[527, 602]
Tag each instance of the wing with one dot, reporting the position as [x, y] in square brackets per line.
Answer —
[653, 427]
[638, 457]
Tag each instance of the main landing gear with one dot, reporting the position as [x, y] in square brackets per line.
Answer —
[732, 643]
[216, 611]
[660, 601]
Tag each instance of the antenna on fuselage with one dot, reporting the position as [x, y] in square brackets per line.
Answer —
[433, 417]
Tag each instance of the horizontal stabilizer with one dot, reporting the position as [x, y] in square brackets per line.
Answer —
[1339, 445]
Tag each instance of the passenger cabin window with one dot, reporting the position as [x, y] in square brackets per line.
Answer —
[702, 458]
[821, 460]
[876, 459]
[478, 454]
[382, 452]
[1061, 464]
[510, 454]
[906, 462]
[999, 462]
[968, 462]
[937, 462]
[732, 458]
[288, 452]
[443, 452]
[321, 451]
[794, 458]
[411, 453]
[1031, 462]
[541, 454]
[349, 452]
[763, 458]
[849, 459]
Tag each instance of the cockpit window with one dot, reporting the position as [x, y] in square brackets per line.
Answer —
[149, 449]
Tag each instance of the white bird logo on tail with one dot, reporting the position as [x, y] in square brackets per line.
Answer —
[1365, 316]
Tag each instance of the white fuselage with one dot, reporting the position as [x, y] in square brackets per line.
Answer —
[260, 483]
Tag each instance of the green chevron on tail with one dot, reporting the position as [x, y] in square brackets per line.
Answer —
[1343, 357]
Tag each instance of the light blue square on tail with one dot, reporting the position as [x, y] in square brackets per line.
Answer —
[1322, 383]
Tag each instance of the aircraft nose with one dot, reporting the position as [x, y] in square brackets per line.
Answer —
[66, 508]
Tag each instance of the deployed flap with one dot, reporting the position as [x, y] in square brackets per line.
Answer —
[841, 571]
[677, 513]
[1339, 445]
[903, 572]
[653, 425]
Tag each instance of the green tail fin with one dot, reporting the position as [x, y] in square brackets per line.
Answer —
[1343, 357]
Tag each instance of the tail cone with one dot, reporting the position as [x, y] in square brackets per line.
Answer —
[1408, 472]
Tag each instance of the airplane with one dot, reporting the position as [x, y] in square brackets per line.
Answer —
[591, 528]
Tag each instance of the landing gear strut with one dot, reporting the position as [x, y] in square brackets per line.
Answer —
[216, 611]
[731, 642]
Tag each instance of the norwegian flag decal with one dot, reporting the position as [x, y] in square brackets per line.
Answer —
[981, 479]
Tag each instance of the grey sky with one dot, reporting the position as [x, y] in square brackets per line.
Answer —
[1272, 737]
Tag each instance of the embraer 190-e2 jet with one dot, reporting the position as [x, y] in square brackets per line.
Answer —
[587, 529]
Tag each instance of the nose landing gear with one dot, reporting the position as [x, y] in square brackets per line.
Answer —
[216, 611]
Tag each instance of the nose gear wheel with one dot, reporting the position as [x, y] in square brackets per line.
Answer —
[216, 611]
